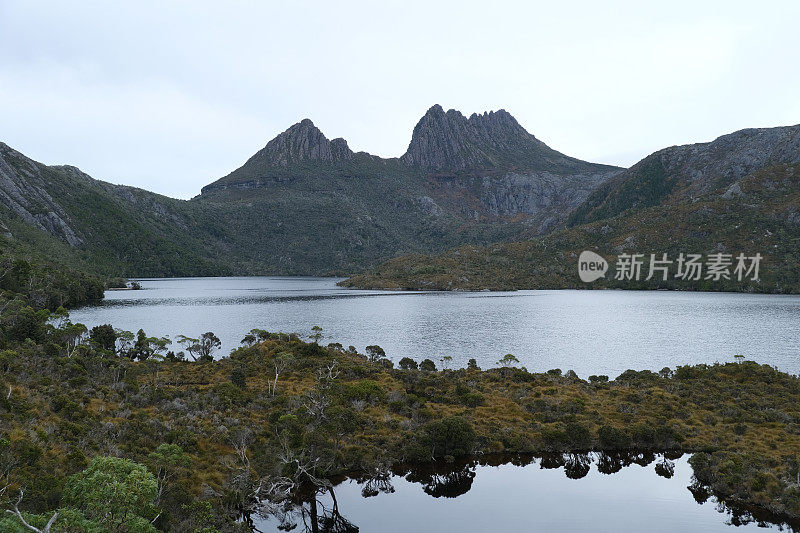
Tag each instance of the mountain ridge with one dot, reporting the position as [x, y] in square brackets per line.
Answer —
[690, 170]
[485, 168]
[307, 205]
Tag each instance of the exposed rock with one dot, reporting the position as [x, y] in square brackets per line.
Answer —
[733, 190]
[23, 190]
[448, 141]
[731, 157]
[692, 170]
[429, 206]
[485, 168]
[302, 142]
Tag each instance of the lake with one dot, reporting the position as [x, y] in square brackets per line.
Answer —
[566, 493]
[589, 331]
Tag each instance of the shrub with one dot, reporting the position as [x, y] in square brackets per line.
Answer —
[366, 390]
[406, 363]
[612, 438]
[239, 377]
[452, 436]
[427, 365]
[578, 436]
[473, 399]
[229, 394]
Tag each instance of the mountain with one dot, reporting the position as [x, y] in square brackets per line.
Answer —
[737, 194]
[450, 142]
[60, 212]
[762, 218]
[686, 172]
[482, 169]
[305, 204]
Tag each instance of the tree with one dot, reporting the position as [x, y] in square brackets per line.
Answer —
[406, 363]
[375, 353]
[168, 461]
[104, 337]
[446, 360]
[427, 365]
[208, 344]
[202, 348]
[191, 345]
[141, 348]
[159, 345]
[118, 494]
[316, 334]
[72, 335]
[255, 335]
[46, 528]
[124, 343]
[472, 364]
[281, 361]
[508, 361]
[452, 435]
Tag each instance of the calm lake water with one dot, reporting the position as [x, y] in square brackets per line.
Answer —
[591, 332]
[544, 495]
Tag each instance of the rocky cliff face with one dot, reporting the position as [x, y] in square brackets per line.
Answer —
[488, 167]
[688, 171]
[302, 142]
[23, 190]
[448, 141]
[485, 168]
[302, 146]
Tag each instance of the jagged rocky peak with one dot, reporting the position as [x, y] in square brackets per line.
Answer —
[450, 141]
[301, 143]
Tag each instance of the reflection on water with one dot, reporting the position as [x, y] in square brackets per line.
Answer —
[503, 493]
[591, 332]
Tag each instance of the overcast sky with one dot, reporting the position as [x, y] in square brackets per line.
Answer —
[170, 96]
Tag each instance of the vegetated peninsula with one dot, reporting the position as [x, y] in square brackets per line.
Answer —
[737, 194]
[105, 430]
